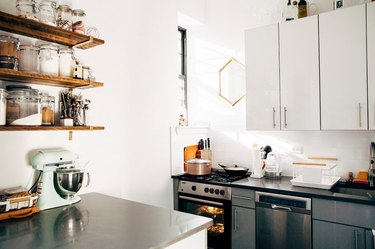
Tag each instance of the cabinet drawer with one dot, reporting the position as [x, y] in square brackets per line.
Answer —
[344, 212]
[243, 197]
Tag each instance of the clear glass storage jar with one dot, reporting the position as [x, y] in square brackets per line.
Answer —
[48, 110]
[9, 46]
[49, 59]
[28, 9]
[23, 107]
[3, 106]
[64, 17]
[79, 21]
[66, 62]
[9, 62]
[47, 12]
[28, 58]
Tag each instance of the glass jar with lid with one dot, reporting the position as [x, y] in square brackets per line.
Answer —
[23, 107]
[28, 58]
[9, 45]
[49, 59]
[66, 62]
[79, 21]
[47, 13]
[48, 110]
[28, 9]
[64, 17]
[3, 106]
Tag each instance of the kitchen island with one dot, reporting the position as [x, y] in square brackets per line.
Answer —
[100, 221]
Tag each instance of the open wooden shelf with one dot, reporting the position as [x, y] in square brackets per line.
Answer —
[44, 79]
[30, 28]
[50, 128]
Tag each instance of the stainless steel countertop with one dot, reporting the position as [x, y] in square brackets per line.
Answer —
[284, 186]
[101, 221]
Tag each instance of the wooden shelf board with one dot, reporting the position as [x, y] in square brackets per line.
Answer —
[50, 128]
[30, 28]
[44, 79]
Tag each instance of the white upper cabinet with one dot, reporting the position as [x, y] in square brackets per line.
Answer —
[371, 62]
[262, 78]
[299, 74]
[343, 69]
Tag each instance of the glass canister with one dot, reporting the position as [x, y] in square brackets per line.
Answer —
[48, 110]
[23, 107]
[9, 46]
[28, 9]
[64, 17]
[66, 62]
[79, 21]
[3, 106]
[47, 12]
[28, 58]
[49, 59]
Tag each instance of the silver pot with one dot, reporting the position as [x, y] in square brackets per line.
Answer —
[199, 167]
[68, 181]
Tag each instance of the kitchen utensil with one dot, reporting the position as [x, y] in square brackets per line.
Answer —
[190, 152]
[234, 169]
[199, 166]
[68, 182]
[272, 169]
[257, 171]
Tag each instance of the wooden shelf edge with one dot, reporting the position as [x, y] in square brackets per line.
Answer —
[44, 79]
[30, 28]
[51, 128]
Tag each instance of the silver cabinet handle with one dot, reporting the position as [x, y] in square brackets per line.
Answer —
[373, 235]
[200, 200]
[356, 239]
[360, 114]
[241, 197]
[235, 220]
[273, 117]
[273, 206]
[285, 123]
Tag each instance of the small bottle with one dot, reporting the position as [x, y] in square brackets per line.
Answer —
[289, 12]
[302, 9]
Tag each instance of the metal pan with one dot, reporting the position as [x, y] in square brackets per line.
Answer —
[234, 169]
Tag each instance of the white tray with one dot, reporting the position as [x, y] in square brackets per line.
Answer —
[326, 182]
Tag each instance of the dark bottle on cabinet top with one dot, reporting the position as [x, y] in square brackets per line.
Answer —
[302, 9]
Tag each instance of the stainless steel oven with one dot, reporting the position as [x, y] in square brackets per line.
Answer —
[209, 200]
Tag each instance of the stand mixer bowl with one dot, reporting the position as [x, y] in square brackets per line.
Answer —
[68, 182]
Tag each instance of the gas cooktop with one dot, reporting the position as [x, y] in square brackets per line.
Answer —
[217, 176]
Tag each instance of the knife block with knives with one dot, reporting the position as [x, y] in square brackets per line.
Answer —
[204, 150]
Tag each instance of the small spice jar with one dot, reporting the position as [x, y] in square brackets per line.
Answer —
[49, 59]
[47, 12]
[79, 21]
[66, 62]
[28, 9]
[3, 106]
[28, 58]
[64, 17]
[48, 110]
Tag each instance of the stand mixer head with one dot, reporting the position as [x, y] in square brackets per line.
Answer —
[59, 180]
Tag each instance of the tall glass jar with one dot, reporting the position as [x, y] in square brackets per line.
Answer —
[28, 58]
[66, 62]
[79, 21]
[64, 17]
[47, 12]
[49, 59]
[48, 110]
[28, 9]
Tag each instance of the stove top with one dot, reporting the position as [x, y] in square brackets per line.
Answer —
[217, 176]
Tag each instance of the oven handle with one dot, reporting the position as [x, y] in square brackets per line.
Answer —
[200, 200]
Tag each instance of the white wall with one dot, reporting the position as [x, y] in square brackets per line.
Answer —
[210, 45]
[137, 105]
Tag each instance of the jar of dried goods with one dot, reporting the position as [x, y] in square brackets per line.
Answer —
[64, 17]
[66, 62]
[3, 106]
[28, 58]
[79, 21]
[47, 12]
[48, 110]
[28, 9]
[49, 59]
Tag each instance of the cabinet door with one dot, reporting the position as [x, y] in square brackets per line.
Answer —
[299, 74]
[262, 78]
[328, 235]
[343, 69]
[371, 62]
[243, 228]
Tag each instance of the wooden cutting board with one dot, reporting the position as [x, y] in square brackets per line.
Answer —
[189, 153]
[20, 213]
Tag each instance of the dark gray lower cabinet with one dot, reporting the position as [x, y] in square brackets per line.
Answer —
[243, 228]
[327, 235]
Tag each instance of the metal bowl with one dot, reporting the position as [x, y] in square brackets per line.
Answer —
[68, 182]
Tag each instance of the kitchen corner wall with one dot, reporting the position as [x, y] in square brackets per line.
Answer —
[210, 45]
[137, 105]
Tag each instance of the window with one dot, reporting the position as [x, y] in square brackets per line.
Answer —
[182, 92]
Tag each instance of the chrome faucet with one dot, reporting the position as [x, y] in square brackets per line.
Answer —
[371, 170]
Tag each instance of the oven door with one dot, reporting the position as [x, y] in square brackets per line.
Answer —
[218, 210]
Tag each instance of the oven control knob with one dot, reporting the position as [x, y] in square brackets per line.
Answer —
[212, 190]
[216, 191]
[194, 188]
[222, 192]
[206, 190]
